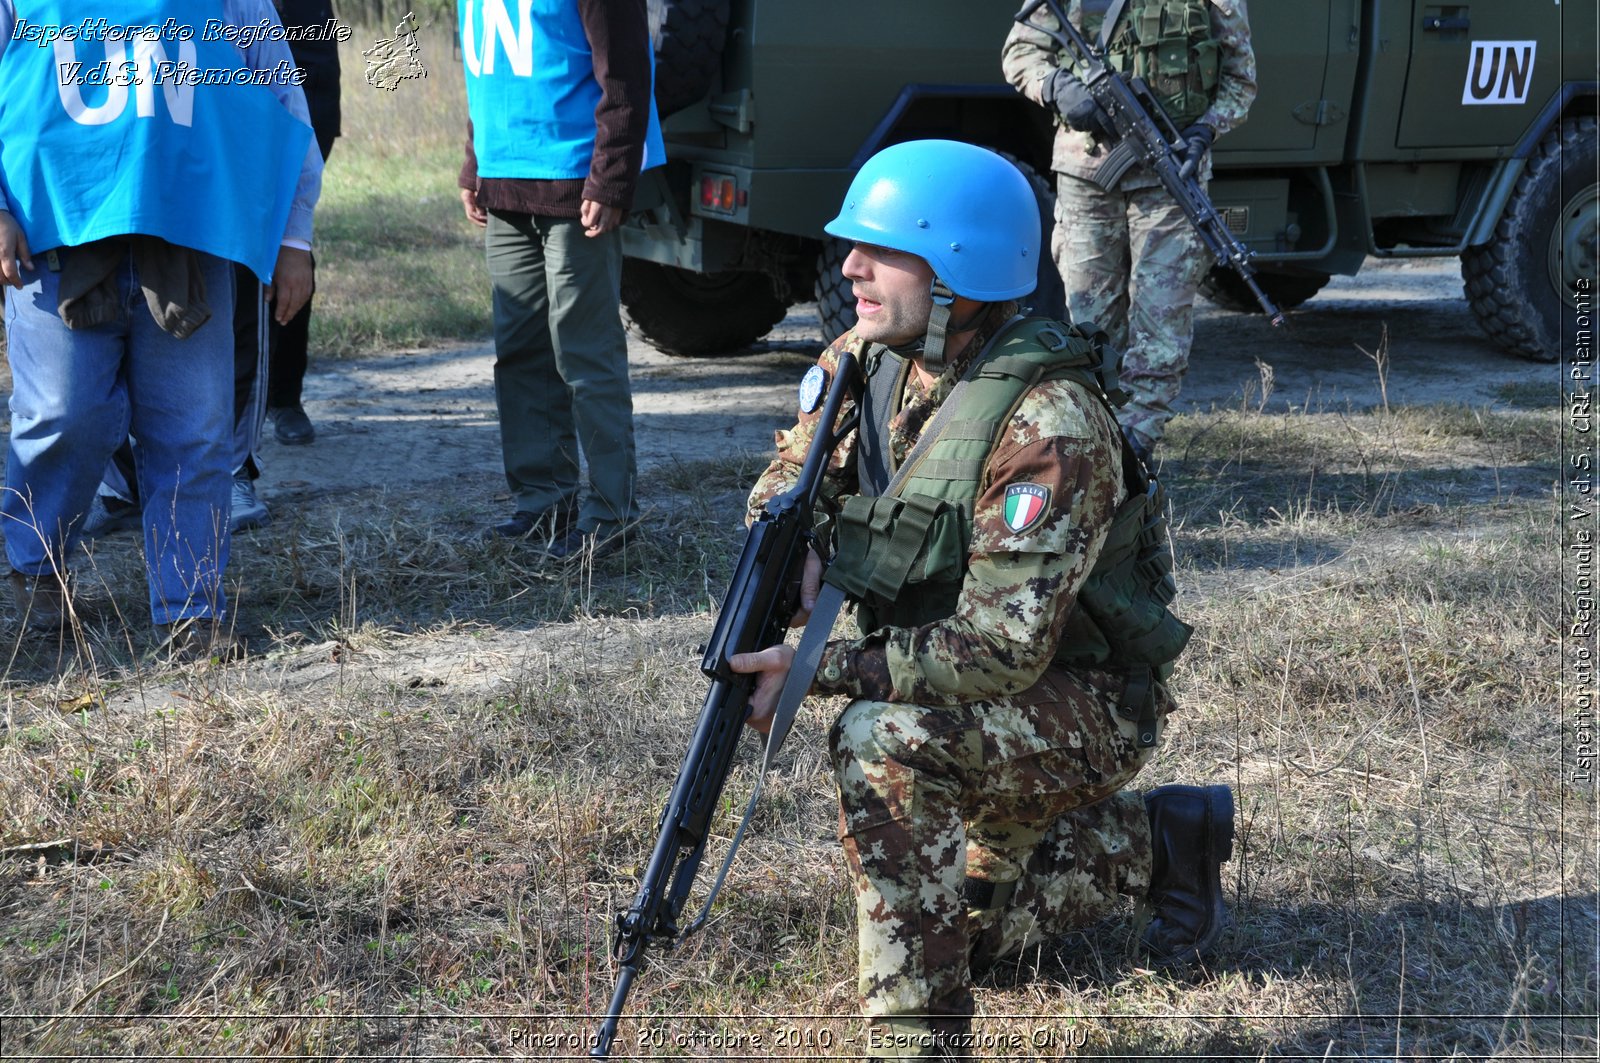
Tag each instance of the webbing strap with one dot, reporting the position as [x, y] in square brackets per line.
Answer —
[1138, 706]
[971, 431]
[807, 656]
[884, 385]
[1012, 365]
[983, 895]
[957, 470]
[911, 525]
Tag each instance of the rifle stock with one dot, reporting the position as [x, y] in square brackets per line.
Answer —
[755, 614]
[1145, 134]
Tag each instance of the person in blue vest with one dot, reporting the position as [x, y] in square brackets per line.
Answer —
[121, 318]
[268, 369]
[561, 123]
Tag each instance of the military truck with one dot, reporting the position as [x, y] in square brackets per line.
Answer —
[1383, 128]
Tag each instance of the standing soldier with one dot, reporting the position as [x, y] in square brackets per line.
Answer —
[1129, 258]
[1009, 567]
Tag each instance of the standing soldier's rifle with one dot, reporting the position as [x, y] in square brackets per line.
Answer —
[761, 600]
[1145, 134]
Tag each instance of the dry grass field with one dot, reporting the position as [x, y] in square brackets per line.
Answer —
[401, 830]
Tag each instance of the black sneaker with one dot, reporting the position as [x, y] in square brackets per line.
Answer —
[291, 426]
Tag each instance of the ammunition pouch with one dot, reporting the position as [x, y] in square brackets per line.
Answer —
[901, 559]
[1168, 43]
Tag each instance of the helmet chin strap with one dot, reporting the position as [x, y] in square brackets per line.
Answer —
[930, 348]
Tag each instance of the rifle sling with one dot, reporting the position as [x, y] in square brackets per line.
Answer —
[1113, 14]
[807, 656]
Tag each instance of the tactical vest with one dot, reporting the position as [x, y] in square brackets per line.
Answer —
[902, 556]
[1169, 44]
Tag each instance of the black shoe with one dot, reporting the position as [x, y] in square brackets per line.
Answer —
[198, 641]
[554, 524]
[591, 545]
[1192, 831]
[43, 602]
[291, 426]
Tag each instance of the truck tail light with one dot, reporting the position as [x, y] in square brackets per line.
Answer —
[719, 193]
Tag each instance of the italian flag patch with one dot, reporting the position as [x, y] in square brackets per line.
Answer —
[1026, 505]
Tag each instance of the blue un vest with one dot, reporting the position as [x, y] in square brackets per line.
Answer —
[531, 90]
[207, 166]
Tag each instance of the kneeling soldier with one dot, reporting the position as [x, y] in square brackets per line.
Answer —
[1008, 559]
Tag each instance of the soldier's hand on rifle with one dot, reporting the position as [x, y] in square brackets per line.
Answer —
[771, 666]
[810, 587]
[1077, 108]
[1197, 140]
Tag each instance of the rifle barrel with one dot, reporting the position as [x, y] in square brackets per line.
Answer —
[608, 1029]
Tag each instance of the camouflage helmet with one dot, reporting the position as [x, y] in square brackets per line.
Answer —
[966, 211]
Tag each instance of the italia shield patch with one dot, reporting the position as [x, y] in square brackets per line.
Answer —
[1026, 505]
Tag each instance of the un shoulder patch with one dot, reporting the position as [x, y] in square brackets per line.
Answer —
[812, 387]
[1026, 505]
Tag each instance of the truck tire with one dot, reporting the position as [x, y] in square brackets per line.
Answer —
[688, 36]
[1520, 284]
[1223, 287]
[837, 307]
[698, 314]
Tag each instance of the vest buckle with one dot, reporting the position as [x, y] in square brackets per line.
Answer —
[1052, 338]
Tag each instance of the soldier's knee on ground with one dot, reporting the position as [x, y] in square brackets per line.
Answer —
[1088, 860]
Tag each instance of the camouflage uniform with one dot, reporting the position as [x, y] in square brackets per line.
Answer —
[1129, 258]
[965, 756]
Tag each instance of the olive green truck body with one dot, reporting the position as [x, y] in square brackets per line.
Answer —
[1381, 128]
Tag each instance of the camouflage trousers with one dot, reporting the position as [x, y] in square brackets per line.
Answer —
[1020, 795]
[1131, 263]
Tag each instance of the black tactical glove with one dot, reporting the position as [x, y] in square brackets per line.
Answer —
[1077, 108]
[1197, 140]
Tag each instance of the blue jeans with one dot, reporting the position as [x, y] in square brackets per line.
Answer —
[75, 396]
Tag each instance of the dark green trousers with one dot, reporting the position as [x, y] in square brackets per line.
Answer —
[561, 367]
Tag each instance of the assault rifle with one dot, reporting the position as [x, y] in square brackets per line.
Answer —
[762, 598]
[1145, 134]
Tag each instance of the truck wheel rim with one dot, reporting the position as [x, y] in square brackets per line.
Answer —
[1574, 244]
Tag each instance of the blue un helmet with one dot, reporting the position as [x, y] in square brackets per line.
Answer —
[964, 210]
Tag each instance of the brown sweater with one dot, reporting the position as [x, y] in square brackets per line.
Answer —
[619, 36]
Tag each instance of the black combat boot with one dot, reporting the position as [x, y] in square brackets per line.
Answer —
[1191, 828]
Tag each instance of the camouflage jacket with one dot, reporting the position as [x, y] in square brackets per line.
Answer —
[1018, 589]
[1030, 57]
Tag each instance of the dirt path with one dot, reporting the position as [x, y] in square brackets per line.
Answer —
[408, 419]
